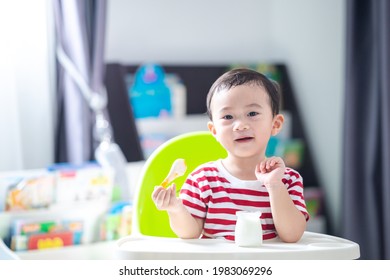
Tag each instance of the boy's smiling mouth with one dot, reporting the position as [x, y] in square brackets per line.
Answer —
[244, 139]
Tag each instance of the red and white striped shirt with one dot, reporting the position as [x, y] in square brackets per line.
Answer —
[212, 193]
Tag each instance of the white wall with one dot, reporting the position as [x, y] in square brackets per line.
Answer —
[197, 31]
[26, 98]
[307, 35]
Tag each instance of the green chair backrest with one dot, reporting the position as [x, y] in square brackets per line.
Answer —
[195, 148]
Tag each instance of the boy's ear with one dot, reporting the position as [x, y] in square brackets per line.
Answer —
[211, 127]
[277, 124]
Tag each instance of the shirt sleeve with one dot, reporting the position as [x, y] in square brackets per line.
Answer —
[191, 196]
[294, 184]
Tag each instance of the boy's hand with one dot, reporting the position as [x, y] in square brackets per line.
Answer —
[270, 171]
[165, 198]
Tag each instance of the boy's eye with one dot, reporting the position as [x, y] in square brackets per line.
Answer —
[252, 114]
[227, 117]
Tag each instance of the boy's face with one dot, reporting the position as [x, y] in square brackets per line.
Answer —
[243, 121]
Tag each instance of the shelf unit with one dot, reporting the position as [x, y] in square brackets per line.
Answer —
[90, 212]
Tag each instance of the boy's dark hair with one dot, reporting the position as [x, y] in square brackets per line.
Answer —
[243, 76]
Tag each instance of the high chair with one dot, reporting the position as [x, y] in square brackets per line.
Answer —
[152, 237]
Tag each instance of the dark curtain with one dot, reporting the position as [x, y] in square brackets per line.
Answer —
[80, 31]
[366, 147]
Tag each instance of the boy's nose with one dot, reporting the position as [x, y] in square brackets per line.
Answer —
[240, 125]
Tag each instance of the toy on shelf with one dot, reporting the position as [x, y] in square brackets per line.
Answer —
[39, 235]
[150, 95]
[117, 222]
[30, 193]
[81, 183]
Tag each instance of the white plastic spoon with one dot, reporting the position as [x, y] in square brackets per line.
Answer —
[178, 169]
